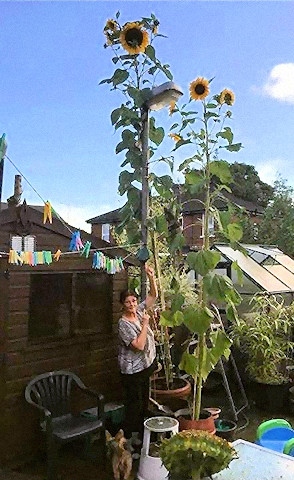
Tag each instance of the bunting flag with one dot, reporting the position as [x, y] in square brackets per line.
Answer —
[45, 257]
[30, 258]
[76, 243]
[110, 265]
[47, 212]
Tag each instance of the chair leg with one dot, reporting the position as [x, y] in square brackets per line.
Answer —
[51, 459]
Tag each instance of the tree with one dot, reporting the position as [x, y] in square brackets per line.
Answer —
[276, 227]
[248, 186]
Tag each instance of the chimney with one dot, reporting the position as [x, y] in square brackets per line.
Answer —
[14, 201]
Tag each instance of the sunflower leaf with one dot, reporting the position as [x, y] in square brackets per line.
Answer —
[180, 143]
[156, 135]
[150, 52]
[221, 169]
[234, 147]
[106, 80]
[211, 105]
[119, 76]
[227, 134]
[115, 115]
[210, 115]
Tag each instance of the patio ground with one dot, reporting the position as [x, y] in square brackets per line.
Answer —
[74, 467]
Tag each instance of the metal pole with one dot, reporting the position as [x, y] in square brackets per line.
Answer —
[145, 194]
[3, 147]
[1, 178]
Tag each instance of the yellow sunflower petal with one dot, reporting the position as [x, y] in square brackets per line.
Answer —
[134, 38]
[172, 108]
[175, 137]
[227, 96]
[199, 88]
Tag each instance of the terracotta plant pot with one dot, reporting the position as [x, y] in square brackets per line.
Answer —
[205, 422]
[182, 389]
[215, 411]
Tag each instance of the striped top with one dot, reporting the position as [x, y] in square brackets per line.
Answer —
[130, 359]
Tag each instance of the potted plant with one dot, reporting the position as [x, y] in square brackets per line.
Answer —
[195, 454]
[265, 336]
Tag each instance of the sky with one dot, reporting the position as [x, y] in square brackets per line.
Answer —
[56, 116]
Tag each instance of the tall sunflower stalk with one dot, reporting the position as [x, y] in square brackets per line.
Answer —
[137, 71]
[206, 176]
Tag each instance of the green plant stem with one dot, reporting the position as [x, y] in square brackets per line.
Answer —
[164, 334]
[198, 377]
[202, 338]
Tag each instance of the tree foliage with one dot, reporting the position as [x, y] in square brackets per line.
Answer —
[276, 227]
[248, 186]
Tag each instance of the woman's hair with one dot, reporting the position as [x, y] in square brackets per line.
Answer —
[125, 294]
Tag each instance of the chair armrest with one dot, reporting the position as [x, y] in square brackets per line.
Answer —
[99, 397]
[43, 410]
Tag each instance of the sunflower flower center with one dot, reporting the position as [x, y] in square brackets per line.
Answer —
[134, 37]
[199, 89]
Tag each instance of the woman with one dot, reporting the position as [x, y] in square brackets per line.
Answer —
[136, 356]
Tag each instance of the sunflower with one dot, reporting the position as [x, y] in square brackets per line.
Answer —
[134, 38]
[175, 137]
[227, 97]
[111, 25]
[155, 27]
[199, 88]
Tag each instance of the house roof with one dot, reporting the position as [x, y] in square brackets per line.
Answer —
[109, 217]
[29, 215]
[196, 205]
[190, 206]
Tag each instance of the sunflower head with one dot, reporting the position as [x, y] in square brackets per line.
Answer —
[134, 38]
[155, 27]
[199, 88]
[227, 96]
[111, 25]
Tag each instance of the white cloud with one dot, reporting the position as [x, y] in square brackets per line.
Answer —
[269, 170]
[280, 83]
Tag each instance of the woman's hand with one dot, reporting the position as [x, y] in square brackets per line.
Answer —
[145, 318]
[149, 270]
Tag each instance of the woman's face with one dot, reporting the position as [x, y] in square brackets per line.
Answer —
[130, 304]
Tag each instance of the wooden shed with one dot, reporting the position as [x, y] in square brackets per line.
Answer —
[59, 315]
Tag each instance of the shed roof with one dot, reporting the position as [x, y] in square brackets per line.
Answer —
[33, 215]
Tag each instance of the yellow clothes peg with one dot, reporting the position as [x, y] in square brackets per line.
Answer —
[56, 255]
[47, 212]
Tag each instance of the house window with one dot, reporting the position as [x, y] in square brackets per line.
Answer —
[26, 243]
[211, 226]
[106, 232]
[63, 304]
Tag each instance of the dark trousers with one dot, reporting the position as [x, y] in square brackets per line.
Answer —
[136, 399]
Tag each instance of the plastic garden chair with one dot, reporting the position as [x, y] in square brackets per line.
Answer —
[276, 434]
[289, 447]
[50, 393]
[269, 424]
